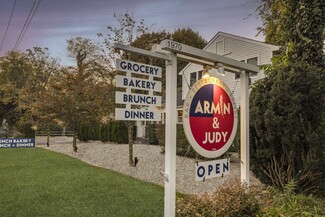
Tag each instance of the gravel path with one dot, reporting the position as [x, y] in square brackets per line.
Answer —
[150, 167]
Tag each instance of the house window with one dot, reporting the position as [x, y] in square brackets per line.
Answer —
[192, 78]
[252, 61]
[199, 74]
[220, 47]
[195, 76]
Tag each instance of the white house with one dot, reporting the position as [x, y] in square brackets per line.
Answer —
[234, 47]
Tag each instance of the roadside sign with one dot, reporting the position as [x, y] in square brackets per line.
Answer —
[17, 143]
[137, 83]
[137, 99]
[136, 114]
[176, 50]
[211, 169]
[138, 107]
[138, 68]
[210, 117]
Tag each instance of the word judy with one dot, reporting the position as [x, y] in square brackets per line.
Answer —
[215, 137]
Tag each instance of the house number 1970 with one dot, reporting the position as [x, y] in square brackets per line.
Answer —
[174, 45]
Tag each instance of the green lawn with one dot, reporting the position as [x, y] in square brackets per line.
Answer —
[37, 182]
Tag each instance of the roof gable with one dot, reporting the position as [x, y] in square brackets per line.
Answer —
[240, 38]
[236, 37]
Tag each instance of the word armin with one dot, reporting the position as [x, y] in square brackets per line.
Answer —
[212, 108]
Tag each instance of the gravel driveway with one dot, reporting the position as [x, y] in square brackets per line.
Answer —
[150, 167]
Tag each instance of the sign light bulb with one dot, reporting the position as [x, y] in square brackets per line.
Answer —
[206, 73]
[221, 69]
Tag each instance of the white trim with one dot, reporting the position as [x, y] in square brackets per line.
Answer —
[257, 75]
[201, 55]
[248, 40]
[258, 64]
[227, 35]
[223, 46]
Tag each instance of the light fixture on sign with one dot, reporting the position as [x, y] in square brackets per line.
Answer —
[206, 73]
[221, 69]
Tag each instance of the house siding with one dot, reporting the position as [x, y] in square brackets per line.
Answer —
[237, 48]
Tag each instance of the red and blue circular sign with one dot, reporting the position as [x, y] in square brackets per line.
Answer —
[210, 117]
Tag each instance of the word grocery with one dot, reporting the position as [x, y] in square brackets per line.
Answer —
[150, 101]
[210, 117]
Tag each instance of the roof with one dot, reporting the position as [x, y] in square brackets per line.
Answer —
[248, 40]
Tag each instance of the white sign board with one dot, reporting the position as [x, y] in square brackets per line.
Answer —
[137, 115]
[137, 83]
[138, 68]
[137, 99]
[211, 169]
[128, 98]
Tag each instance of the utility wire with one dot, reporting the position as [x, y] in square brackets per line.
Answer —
[27, 22]
[12, 12]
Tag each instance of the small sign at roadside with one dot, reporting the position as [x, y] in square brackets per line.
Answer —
[211, 169]
[17, 143]
[137, 114]
[138, 68]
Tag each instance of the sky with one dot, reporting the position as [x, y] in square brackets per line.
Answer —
[55, 21]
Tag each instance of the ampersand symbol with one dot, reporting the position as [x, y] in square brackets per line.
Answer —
[215, 124]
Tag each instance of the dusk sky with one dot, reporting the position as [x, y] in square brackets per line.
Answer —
[57, 20]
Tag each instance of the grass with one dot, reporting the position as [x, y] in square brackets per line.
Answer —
[37, 182]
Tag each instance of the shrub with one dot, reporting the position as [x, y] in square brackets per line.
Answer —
[119, 132]
[232, 200]
[26, 130]
[160, 134]
[228, 200]
[151, 134]
[90, 131]
[287, 110]
[183, 148]
[105, 132]
[82, 133]
[289, 204]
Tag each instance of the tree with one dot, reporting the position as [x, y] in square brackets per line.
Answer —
[287, 108]
[78, 95]
[298, 24]
[146, 41]
[135, 33]
[287, 119]
[14, 73]
[43, 67]
[127, 31]
[184, 35]
[189, 37]
[24, 77]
